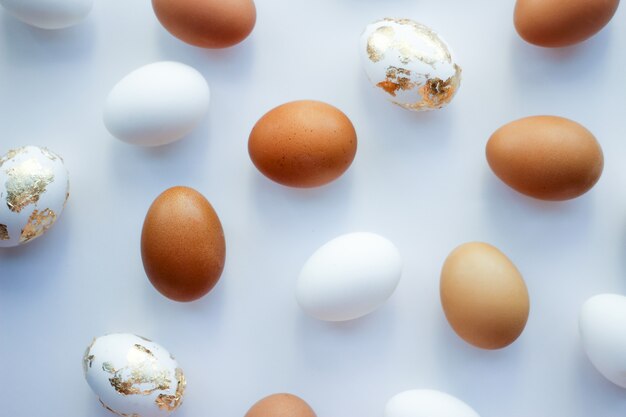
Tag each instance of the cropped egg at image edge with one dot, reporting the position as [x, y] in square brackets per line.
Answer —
[321, 208]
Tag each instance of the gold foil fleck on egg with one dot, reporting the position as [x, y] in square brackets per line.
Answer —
[38, 223]
[26, 183]
[172, 402]
[436, 93]
[4, 232]
[378, 42]
[88, 357]
[11, 154]
[397, 79]
[142, 370]
[49, 154]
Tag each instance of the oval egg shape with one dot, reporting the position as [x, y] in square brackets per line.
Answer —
[303, 144]
[281, 405]
[546, 157]
[427, 403]
[157, 104]
[349, 277]
[410, 64]
[207, 23]
[182, 244]
[602, 322]
[133, 376]
[483, 295]
[49, 14]
[34, 188]
[557, 23]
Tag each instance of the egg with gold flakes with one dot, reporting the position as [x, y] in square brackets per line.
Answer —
[34, 187]
[410, 64]
[133, 376]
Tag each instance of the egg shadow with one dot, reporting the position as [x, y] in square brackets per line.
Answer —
[36, 265]
[27, 45]
[307, 209]
[429, 130]
[335, 347]
[543, 226]
[535, 66]
[227, 64]
[143, 170]
[587, 382]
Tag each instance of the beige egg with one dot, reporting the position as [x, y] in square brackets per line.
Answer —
[484, 296]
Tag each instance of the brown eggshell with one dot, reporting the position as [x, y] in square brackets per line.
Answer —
[483, 295]
[546, 157]
[555, 23]
[207, 23]
[182, 244]
[303, 144]
[281, 405]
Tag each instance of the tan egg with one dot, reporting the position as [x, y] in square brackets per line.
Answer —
[303, 144]
[484, 296]
[182, 244]
[555, 23]
[207, 23]
[281, 405]
[546, 157]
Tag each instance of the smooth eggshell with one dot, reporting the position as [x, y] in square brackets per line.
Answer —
[207, 23]
[182, 244]
[546, 157]
[602, 322]
[484, 296]
[281, 405]
[157, 104]
[349, 277]
[556, 23]
[49, 14]
[303, 144]
[427, 403]
[34, 188]
[132, 375]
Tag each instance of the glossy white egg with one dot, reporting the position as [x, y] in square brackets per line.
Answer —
[49, 14]
[34, 187]
[602, 325]
[133, 376]
[427, 403]
[157, 104]
[409, 64]
[349, 277]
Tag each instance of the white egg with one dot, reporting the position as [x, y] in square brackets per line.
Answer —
[157, 104]
[349, 277]
[409, 64]
[34, 187]
[49, 14]
[602, 326]
[427, 403]
[133, 376]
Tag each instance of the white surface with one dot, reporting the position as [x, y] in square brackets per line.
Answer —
[420, 180]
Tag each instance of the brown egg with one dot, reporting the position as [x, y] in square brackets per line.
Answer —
[555, 23]
[207, 23]
[303, 144]
[281, 405]
[546, 157]
[483, 296]
[182, 244]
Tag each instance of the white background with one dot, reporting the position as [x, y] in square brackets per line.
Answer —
[419, 179]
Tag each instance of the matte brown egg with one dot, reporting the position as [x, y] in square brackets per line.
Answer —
[303, 144]
[484, 296]
[207, 23]
[546, 157]
[281, 405]
[555, 23]
[182, 244]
